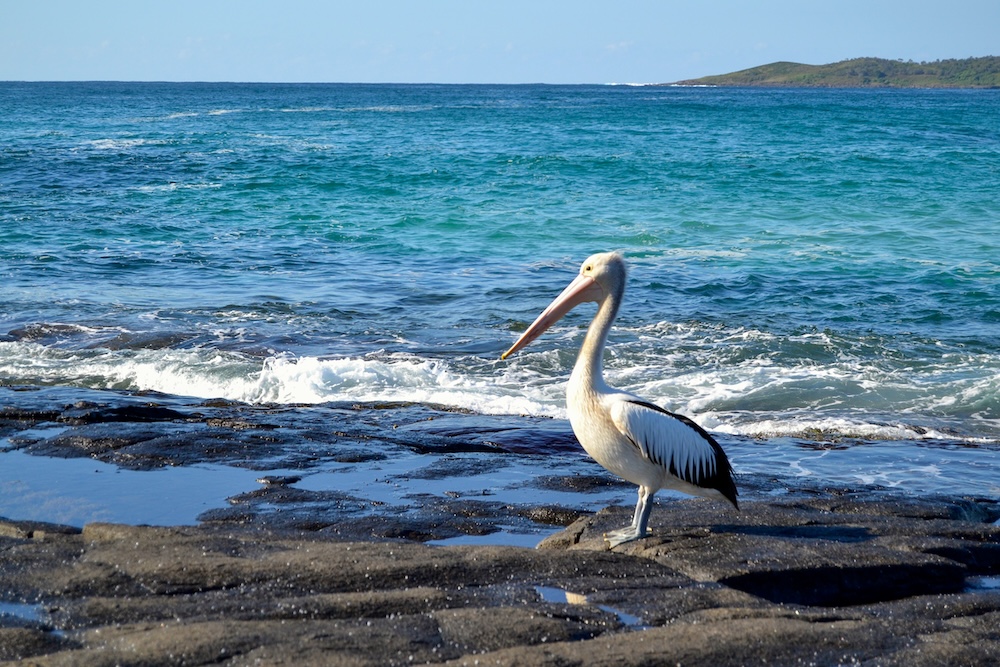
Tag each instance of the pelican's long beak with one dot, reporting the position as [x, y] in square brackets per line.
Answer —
[581, 290]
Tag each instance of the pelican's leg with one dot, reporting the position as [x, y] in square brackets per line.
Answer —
[639, 520]
[642, 513]
[638, 508]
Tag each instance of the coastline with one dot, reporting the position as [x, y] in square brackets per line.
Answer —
[393, 572]
[829, 579]
[881, 73]
[393, 469]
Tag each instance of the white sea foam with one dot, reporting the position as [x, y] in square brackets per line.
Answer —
[749, 399]
[313, 380]
[813, 426]
[201, 373]
[206, 373]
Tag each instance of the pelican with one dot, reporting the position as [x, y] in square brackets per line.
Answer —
[633, 438]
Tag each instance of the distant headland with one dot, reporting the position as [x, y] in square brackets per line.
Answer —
[865, 73]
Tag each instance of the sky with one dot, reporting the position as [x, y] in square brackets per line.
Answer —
[471, 41]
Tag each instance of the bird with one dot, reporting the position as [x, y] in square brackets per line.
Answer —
[632, 438]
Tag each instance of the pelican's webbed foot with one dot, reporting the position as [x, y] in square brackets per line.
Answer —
[639, 521]
[623, 535]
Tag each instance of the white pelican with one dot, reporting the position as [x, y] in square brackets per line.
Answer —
[634, 439]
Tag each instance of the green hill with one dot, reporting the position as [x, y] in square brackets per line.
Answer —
[866, 73]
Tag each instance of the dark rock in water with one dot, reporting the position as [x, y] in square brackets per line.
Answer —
[91, 413]
[831, 579]
[581, 483]
[279, 480]
[144, 432]
[142, 341]
[349, 517]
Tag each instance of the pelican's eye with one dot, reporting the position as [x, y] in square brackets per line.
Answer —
[588, 268]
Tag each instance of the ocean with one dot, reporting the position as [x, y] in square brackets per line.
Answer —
[814, 274]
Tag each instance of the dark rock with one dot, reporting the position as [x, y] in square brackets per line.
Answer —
[552, 515]
[279, 480]
[22, 643]
[89, 413]
[287, 574]
[818, 552]
[33, 529]
[148, 432]
[822, 580]
[580, 483]
[140, 433]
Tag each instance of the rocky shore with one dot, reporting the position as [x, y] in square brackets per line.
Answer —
[835, 578]
[328, 555]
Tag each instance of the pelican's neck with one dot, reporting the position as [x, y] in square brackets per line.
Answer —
[588, 373]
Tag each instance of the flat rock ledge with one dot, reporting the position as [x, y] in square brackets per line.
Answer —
[835, 578]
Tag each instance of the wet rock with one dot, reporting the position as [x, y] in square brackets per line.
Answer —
[424, 448]
[819, 552]
[279, 480]
[33, 529]
[479, 629]
[822, 580]
[99, 441]
[148, 431]
[553, 515]
[301, 570]
[454, 466]
[284, 506]
[20, 643]
[255, 593]
[92, 413]
[580, 483]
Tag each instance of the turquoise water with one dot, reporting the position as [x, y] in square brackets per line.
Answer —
[807, 266]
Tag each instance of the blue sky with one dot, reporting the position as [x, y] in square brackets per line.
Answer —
[471, 41]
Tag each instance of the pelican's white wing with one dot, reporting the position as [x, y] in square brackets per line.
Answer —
[672, 441]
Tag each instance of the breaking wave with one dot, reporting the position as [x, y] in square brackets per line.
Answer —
[751, 399]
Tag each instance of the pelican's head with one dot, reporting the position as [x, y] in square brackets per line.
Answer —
[600, 275]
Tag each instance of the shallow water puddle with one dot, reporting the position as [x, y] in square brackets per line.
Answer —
[560, 596]
[27, 614]
[982, 584]
[24, 611]
[502, 538]
[81, 490]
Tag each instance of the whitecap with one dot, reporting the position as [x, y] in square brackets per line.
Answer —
[116, 144]
[307, 109]
[180, 114]
[165, 187]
